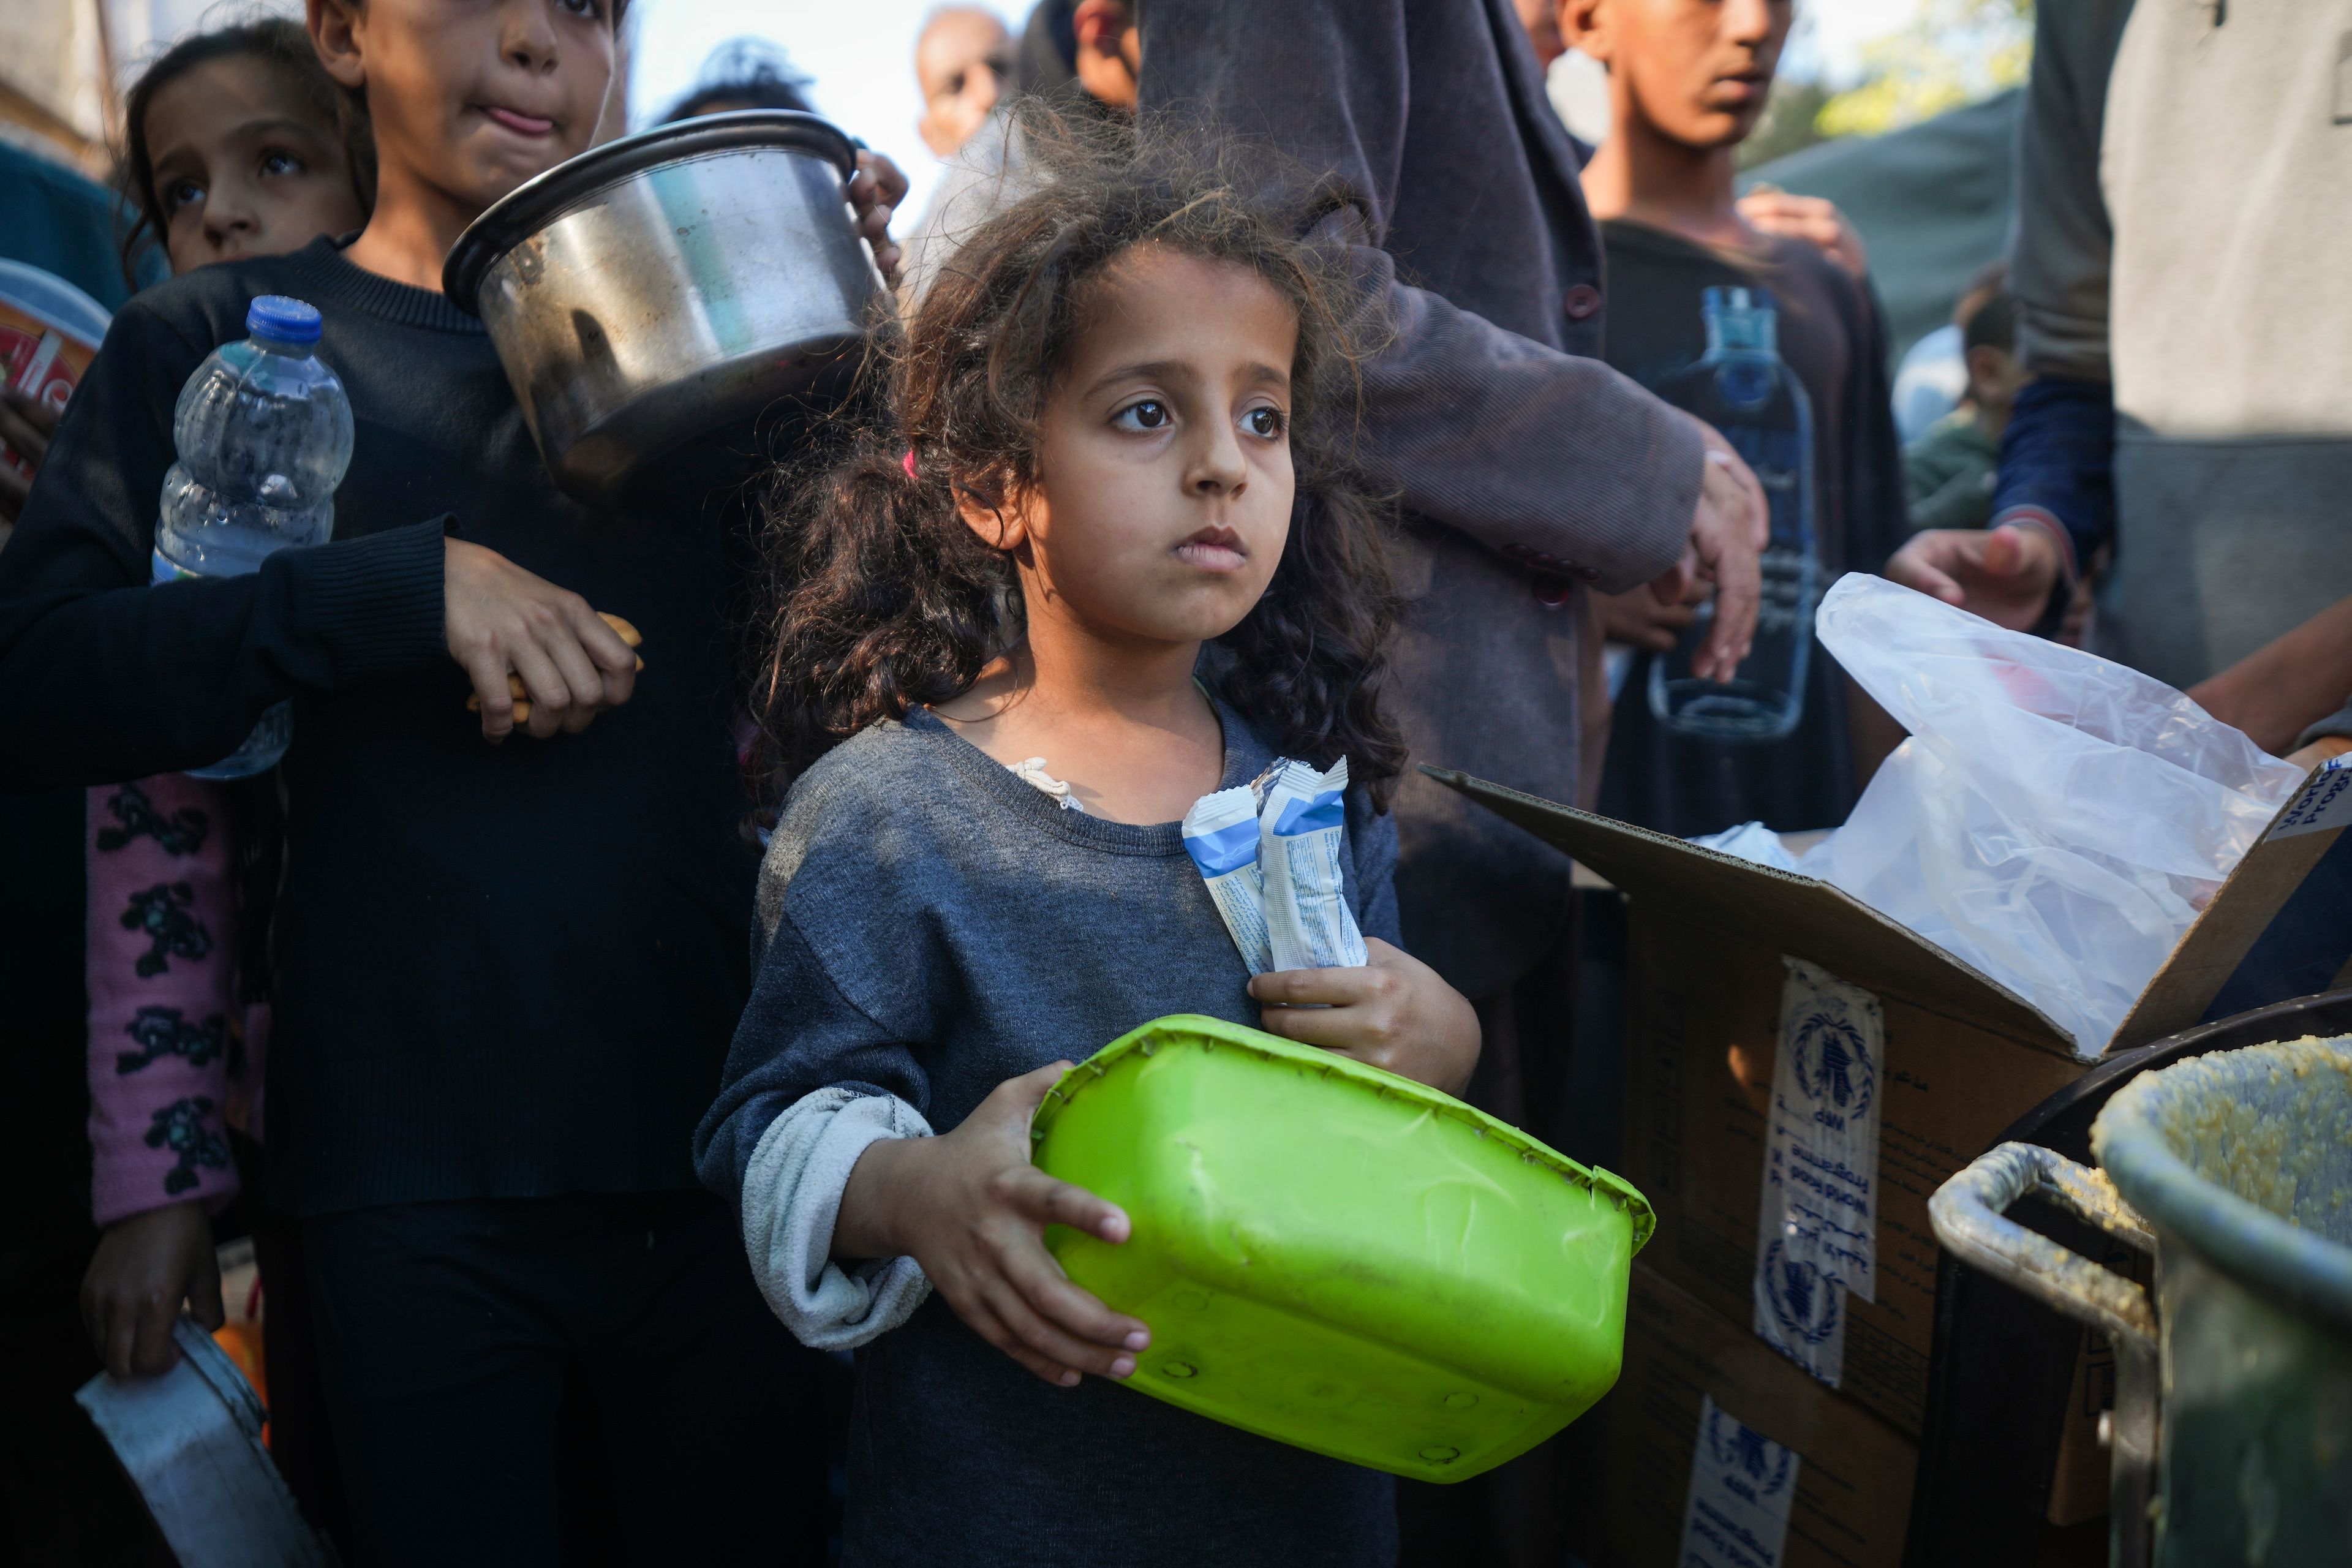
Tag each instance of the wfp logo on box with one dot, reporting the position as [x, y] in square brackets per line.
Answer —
[1833, 1066]
[1803, 1298]
[1752, 1465]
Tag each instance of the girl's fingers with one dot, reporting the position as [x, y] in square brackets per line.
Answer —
[1049, 1343]
[1313, 987]
[489, 675]
[121, 1340]
[23, 437]
[1074, 1312]
[581, 680]
[990, 1327]
[549, 694]
[611, 645]
[1048, 1201]
[152, 1351]
[1333, 1028]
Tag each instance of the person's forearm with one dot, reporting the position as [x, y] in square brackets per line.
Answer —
[2057, 467]
[1530, 451]
[868, 1226]
[1555, 460]
[100, 680]
[2278, 691]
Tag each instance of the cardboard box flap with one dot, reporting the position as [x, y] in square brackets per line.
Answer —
[1805, 918]
[2280, 927]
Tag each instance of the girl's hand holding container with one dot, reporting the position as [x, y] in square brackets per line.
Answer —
[973, 1210]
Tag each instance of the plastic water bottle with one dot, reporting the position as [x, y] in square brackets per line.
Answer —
[1748, 392]
[264, 433]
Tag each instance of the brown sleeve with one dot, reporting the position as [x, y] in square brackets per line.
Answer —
[1483, 430]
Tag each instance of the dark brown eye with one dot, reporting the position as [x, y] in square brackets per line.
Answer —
[1149, 414]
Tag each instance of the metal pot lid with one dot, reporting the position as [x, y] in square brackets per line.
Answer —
[536, 203]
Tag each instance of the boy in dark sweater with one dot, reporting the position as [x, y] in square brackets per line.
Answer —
[508, 973]
[1687, 79]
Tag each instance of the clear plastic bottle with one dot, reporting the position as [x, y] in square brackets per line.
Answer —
[1748, 392]
[263, 431]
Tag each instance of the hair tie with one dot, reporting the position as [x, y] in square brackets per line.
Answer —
[907, 462]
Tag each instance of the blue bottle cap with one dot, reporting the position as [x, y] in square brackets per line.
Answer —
[282, 319]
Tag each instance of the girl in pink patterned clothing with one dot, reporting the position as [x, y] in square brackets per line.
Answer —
[239, 144]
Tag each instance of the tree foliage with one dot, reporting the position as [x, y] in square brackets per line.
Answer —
[1949, 53]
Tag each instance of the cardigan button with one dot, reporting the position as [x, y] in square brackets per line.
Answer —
[1581, 303]
[1552, 590]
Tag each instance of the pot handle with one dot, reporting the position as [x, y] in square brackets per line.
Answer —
[1968, 1214]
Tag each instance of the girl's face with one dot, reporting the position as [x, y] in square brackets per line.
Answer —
[471, 98]
[243, 167]
[1163, 491]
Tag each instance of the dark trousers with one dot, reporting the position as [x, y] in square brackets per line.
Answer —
[476, 1354]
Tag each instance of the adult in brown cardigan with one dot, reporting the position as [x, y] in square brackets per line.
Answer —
[1527, 469]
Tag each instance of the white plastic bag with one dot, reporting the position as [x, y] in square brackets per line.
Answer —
[2056, 820]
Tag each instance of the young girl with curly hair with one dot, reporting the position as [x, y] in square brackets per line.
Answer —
[1105, 563]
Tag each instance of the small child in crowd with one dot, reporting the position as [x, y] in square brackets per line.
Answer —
[237, 145]
[1687, 81]
[1102, 565]
[1949, 470]
[504, 976]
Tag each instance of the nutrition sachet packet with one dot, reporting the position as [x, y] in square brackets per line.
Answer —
[1221, 834]
[1302, 838]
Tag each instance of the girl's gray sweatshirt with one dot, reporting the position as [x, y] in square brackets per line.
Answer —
[933, 926]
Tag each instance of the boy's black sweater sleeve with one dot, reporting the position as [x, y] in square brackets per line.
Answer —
[103, 678]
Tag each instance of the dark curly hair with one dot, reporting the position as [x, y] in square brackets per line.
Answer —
[276, 42]
[886, 601]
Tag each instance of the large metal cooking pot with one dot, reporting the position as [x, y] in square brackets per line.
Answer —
[668, 286]
[2232, 1434]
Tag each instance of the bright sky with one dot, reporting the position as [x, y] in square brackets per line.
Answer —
[861, 54]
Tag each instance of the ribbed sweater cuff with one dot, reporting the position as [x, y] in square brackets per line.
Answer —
[374, 604]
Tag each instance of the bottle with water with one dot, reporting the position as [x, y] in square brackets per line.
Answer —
[263, 433]
[1748, 392]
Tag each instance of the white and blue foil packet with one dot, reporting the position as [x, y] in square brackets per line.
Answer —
[1221, 834]
[1302, 846]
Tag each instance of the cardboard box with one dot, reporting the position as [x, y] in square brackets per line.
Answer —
[1962, 1054]
[1849, 1486]
[1959, 1057]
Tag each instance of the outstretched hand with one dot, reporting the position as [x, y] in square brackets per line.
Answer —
[1395, 1013]
[2004, 574]
[973, 1210]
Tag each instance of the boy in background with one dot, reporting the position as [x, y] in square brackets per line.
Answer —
[1949, 470]
[1688, 80]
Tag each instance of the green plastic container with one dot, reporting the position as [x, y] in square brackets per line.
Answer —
[1336, 1258]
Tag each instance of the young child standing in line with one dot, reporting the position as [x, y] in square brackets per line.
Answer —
[1115, 411]
[237, 143]
[505, 973]
[1687, 81]
[1949, 470]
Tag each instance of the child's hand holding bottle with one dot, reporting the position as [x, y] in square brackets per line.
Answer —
[1394, 1013]
[973, 1210]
